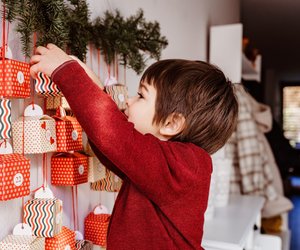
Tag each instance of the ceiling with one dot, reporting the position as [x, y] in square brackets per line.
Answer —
[273, 26]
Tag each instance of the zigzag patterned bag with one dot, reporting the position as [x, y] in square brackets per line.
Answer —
[111, 183]
[45, 86]
[44, 216]
[5, 119]
[118, 92]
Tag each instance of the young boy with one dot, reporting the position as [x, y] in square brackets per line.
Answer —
[184, 111]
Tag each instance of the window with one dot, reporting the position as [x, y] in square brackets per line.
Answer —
[291, 114]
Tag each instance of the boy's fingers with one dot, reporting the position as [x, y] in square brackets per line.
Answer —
[35, 59]
[34, 71]
[51, 46]
[41, 50]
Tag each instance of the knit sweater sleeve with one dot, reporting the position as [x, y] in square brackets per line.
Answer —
[144, 159]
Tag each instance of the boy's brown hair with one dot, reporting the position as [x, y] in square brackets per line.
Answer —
[201, 93]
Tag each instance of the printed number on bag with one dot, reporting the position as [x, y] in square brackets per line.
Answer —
[121, 97]
[81, 169]
[20, 77]
[74, 135]
[18, 179]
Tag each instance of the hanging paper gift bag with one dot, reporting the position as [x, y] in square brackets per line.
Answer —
[83, 245]
[44, 216]
[96, 170]
[68, 132]
[5, 119]
[54, 102]
[35, 132]
[22, 242]
[111, 183]
[69, 169]
[118, 93]
[95, 227]
[65, 240]
[14, 79]
[14, 176]
[45, 86]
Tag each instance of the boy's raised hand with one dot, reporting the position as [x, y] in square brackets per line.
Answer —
[47, 59]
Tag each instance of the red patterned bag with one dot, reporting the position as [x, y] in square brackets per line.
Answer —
[14, 79]
[44, 216]
[65, 240]
[95, 228]
[45, 86]
[14, 176]
[68, 132]
[69, 169]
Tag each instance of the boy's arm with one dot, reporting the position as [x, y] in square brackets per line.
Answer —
[106, 162]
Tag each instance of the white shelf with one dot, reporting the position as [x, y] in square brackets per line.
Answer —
[231, 225]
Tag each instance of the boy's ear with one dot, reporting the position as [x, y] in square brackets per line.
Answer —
[173, 125]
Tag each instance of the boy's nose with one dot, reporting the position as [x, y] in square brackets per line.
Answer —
[129, 101]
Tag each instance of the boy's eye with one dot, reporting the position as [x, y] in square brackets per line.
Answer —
[140, 95]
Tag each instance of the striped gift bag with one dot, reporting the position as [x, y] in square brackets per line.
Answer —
[45, 86]
[65, 240]
[5, 119]
[44, 216]
[22, 242]
[118, 92]
[14, 79]
[111, 183]
[14, 176]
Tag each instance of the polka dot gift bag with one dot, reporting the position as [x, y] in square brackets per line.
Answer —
[22, 239]
[96, 225]
[34, 133]
[14, 173]
[69, 169]
[68, 132]
[65, 240]
[14, 78]
[14, 75]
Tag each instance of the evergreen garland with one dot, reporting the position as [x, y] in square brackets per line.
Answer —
[66, 23]
[78, 27]
[53, 21]
[131, 38]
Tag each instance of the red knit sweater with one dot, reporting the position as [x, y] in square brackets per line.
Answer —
[165, 187]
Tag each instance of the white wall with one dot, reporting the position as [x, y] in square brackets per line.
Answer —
[185, 24]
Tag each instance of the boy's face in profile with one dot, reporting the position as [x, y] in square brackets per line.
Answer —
[140, 110]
